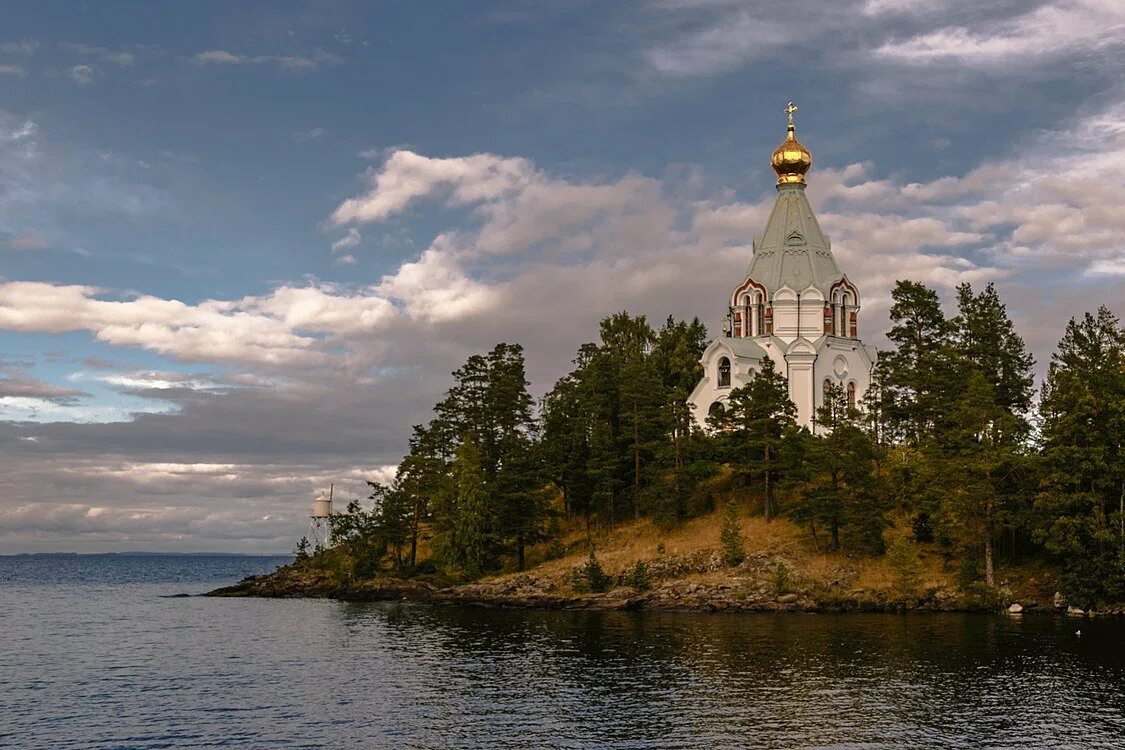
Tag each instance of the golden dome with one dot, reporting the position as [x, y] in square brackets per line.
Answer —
[791, 160]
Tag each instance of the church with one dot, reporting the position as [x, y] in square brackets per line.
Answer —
[794, 306]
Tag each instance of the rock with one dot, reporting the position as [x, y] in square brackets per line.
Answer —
[1060, 600]
[1016, 608]
[787, 599]
[1077, 612]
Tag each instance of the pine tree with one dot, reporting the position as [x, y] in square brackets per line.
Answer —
[730, 536]
[919, 374]
[840, 490]
[1081, 506]
[987, 340]
[976, 465]
[760, 417]
[465, 523]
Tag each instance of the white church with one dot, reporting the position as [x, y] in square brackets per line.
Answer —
[794, 306]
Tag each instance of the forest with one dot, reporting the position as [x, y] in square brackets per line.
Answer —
[952, 439]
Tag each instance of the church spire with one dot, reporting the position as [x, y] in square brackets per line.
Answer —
[791, 160]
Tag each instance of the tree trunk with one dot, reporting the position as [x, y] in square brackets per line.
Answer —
[989, 577]
[769, 488]
[636, 474]
[520, 549]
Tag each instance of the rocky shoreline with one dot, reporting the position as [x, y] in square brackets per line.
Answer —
[732, 594]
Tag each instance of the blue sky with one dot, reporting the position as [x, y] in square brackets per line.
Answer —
[242, 245]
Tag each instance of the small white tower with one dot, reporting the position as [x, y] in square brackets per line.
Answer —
[320, 521]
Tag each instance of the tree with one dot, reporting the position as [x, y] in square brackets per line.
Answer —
[759, 418]
[840, 490]
[1081, 504]
[730, 536]
[918, 375]
[464, 528]
[988, 342]
[976, 465]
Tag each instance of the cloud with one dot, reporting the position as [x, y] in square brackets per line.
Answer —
[309, 135]
[120, 58]
[407, 176]
[83, 75]
[345, 260]
[1089, 27]
[16, 71]
[348, 241]
[36, 389]
[25, 241]
[23, 47]
[290, 325]
[289, 63]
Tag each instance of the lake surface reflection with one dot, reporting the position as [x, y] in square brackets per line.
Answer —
[95, 663]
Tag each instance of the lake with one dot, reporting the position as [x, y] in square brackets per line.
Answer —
[96, 655]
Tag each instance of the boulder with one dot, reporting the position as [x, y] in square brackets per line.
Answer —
[787, 598]
[1060, 600]
[1076, 611]
[1016, 608]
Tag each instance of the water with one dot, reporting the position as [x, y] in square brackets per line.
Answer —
[94, 656]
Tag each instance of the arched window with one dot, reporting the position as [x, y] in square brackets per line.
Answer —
[716, 409]
[724, 372]
[826, 389]
[851, 395]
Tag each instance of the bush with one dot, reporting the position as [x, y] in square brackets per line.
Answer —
[591, 577]
[907, 564]
[636, 576]
[922, 526]
[781, 578]
[731, 536]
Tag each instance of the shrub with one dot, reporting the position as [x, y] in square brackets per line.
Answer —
[636, 576]
[781, 578]
[730, 538]
[906, 562]
[590, 577]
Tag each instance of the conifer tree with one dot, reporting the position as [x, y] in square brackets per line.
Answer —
[840, 490]
[919, 374]
[1081, 506]
[987, 341]
[760, 417]
[465, 522]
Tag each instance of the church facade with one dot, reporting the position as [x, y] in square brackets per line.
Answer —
[794, 306]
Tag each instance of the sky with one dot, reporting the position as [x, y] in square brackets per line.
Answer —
[243, 245]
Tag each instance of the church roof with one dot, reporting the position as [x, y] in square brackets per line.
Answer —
[745, 348]
[793, 251]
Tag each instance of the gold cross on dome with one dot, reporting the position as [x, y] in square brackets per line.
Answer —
[789, 110]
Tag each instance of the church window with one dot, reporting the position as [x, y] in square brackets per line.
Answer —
[716, 409]
[827, 389]
[851, 395]
[828, 319]
[854, 326]
[769, 320]
[724, 373]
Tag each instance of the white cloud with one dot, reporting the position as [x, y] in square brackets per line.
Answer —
[17, 71]
[1084, 26]
[290, 63]
[348, 241]
[286, 326]
[24, 47]
[83, 75]
[407, 176]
